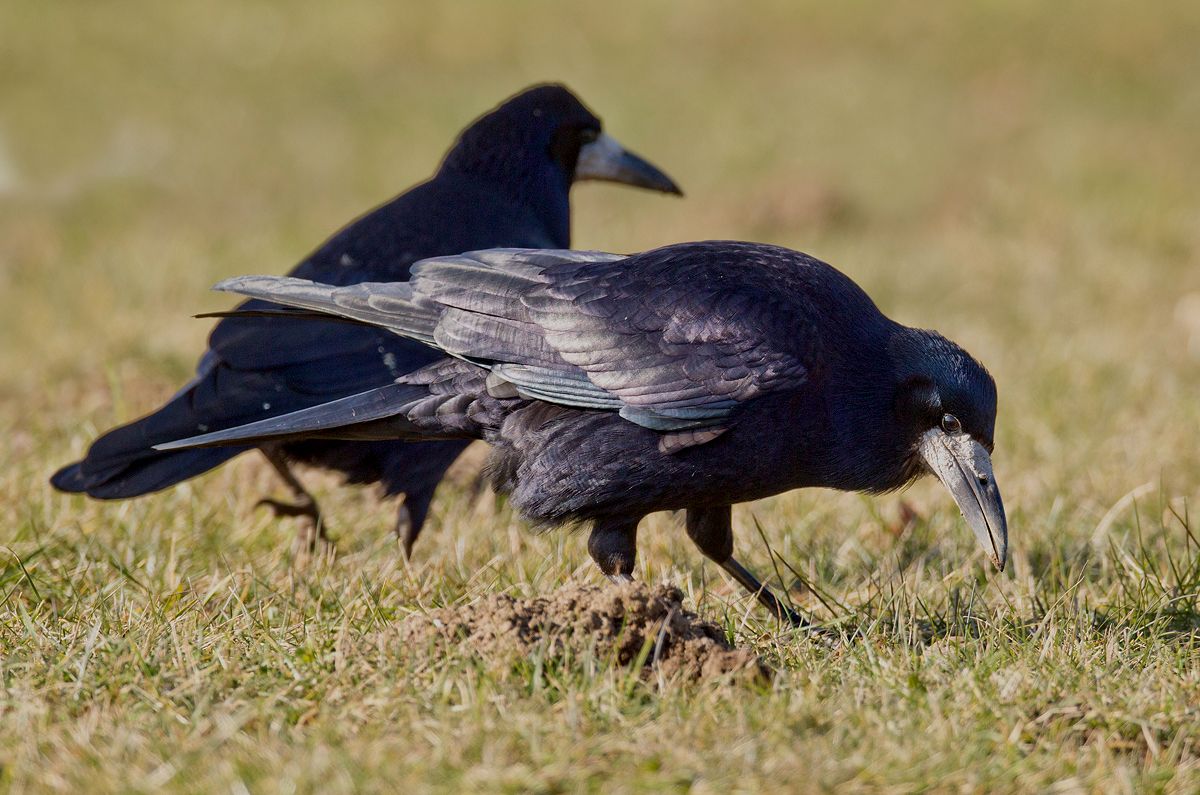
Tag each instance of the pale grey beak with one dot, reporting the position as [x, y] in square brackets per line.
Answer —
[605, 159]
[965, 468]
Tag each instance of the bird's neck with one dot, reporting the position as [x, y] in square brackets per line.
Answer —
[534, 182]
[872, 451]
[867, 444]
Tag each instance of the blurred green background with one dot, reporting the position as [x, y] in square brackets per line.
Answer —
[1023, 176]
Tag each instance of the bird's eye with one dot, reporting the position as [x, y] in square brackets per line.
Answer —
[588, 135]
[950, 423]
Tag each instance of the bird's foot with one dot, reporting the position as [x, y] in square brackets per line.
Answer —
[302, 507]
[619, 578]
[769, 601]
[310, 539]
[311, 543]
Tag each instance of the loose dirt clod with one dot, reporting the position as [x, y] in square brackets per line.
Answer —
[618, 621]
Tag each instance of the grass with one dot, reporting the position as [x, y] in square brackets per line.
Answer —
[1020, 176]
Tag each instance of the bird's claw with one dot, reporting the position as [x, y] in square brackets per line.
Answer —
[781, 611]
[310, 542]
[310, 529]
[307, 508]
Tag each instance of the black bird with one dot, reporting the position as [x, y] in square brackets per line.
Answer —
[505, 182]
[689, 377]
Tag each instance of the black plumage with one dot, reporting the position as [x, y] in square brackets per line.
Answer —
[691, 377]
[504, 183]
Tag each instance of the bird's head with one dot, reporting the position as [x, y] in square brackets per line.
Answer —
[945, 404]
[545, 139]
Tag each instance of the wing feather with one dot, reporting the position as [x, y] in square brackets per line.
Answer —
[672, 339]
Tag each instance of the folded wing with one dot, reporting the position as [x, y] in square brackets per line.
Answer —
[671, 342]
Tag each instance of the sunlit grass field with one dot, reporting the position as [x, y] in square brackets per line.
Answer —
[1024, 177]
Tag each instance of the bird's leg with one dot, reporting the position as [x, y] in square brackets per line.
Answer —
[410, 517]
[711, 529]
[310, 530]
[613, 545]
[404, 527]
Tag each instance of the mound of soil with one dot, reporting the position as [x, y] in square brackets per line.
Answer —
[611, 621]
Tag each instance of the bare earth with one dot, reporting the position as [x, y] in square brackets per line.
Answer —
[627, 622]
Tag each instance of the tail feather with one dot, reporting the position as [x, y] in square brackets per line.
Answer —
[122, 463]
[386, 304]
[70, 479]
[372, 415]
[144, 474]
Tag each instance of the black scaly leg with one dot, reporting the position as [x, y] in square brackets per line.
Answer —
[613, 545]
[310, 530]
[410, 516]
[711, 529]
[405, 530]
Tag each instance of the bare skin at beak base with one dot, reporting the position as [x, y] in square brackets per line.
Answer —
[965, 469]
[605, 159]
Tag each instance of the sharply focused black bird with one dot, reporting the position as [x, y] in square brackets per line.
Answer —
[689, 377]
[504, 183]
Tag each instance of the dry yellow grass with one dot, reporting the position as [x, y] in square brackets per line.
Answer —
[1023, 177]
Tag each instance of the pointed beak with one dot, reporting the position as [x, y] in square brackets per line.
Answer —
[965, 468]
[605, 159]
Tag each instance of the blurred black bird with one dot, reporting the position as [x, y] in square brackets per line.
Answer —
[690, 377]
[505, 182]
